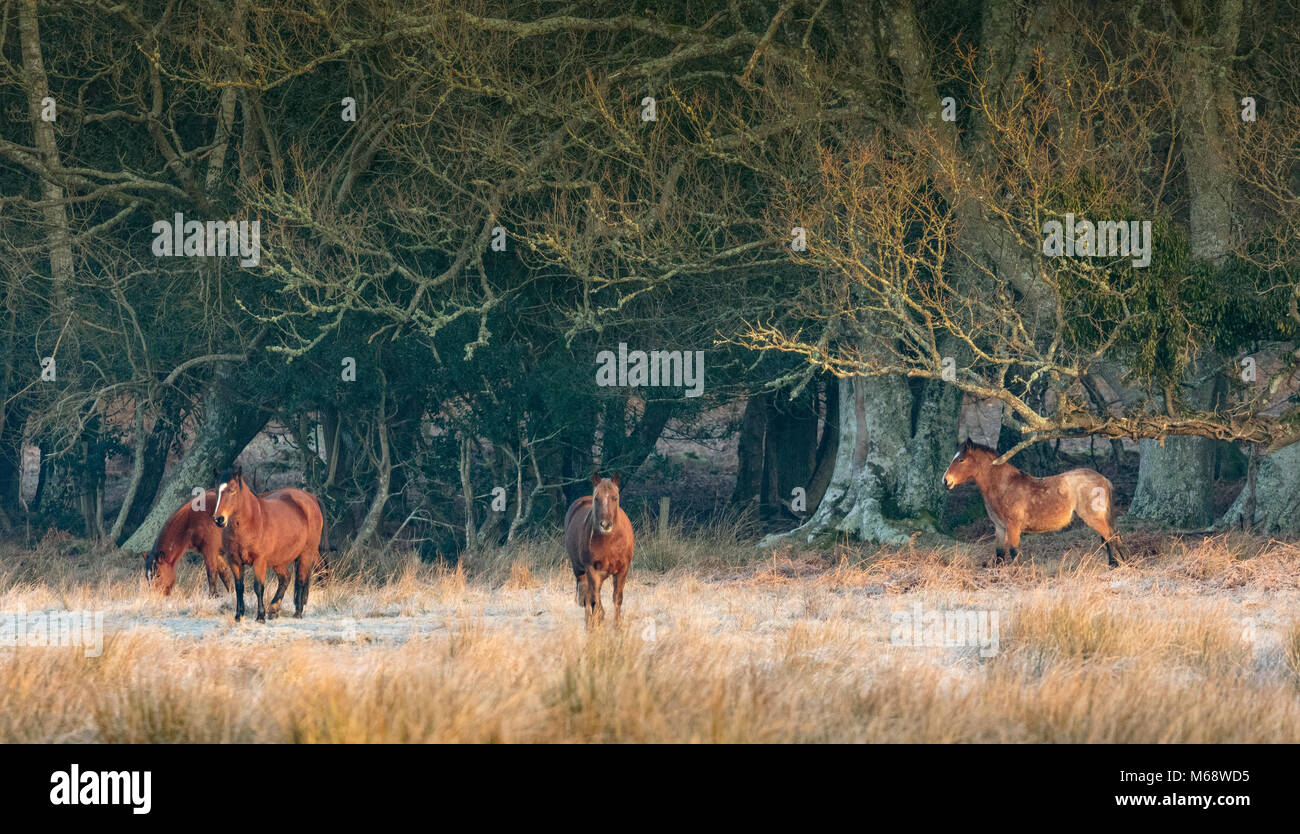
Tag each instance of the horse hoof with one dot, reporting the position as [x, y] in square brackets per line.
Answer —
[297, 615]
[261, 618]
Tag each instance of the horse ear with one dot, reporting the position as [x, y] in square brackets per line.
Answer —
[618, 476]
[967, 445]
[595, 478]
[239, 475]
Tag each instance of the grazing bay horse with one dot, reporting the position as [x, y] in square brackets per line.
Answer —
[188, 529]
[598, 537]
[268, 531]
[1018, 503]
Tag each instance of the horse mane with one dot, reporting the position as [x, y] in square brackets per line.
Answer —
[971, 444]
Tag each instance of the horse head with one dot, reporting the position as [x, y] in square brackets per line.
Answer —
[967, 463]
[232, 492]
[158, 572]
[604, 502]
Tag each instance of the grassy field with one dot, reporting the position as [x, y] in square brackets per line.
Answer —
[1198, 639]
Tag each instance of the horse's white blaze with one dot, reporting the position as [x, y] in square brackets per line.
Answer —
[220, 489]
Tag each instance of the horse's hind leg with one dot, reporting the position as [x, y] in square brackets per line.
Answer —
[1115, 551]
[1106, 529]
[216, 567]
[223, 571]
[211, 568]
[302, 584]
[281, 582]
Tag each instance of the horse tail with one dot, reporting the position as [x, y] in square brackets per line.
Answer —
[323, 566]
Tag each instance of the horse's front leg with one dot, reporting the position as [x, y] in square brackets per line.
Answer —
[620, 579]
[580, 581]
[1013, 542]
[1000, 550]
[237, 570]
[259, 588]
[595, 611]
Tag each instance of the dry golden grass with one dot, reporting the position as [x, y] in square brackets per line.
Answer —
[1194, 641]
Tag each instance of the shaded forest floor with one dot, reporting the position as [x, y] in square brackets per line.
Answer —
[1198, 639]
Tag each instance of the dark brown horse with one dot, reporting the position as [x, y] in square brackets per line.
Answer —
[188, 529]
[598, 537]
[1018, 503]
[268, 531]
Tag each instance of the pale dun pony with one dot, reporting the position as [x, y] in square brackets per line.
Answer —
[1019, 503]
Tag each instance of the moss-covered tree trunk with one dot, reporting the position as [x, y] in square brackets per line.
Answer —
[1176, 478]
[895, 440]
[1269, 503]
[226, 427]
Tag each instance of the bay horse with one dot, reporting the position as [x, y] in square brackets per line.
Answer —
[187, 530]
[1018, 503]
[598, 536]
[268, 531]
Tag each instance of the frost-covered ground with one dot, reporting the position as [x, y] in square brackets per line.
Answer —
[1196, 641]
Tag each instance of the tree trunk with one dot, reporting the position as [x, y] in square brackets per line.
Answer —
[895, 439]
[138, 442]
[640, 444]
[1175, 483]
[827, 446]
[749, 450]
[56, 213]
[59, 492]
[375, 514]
[157, 449]
[91, 474]
[1176, 480]
[1270, 501]
[467, 446]
[11, 464]
[227, 427]
[578, 437]
[789, 449]
[622, 450]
